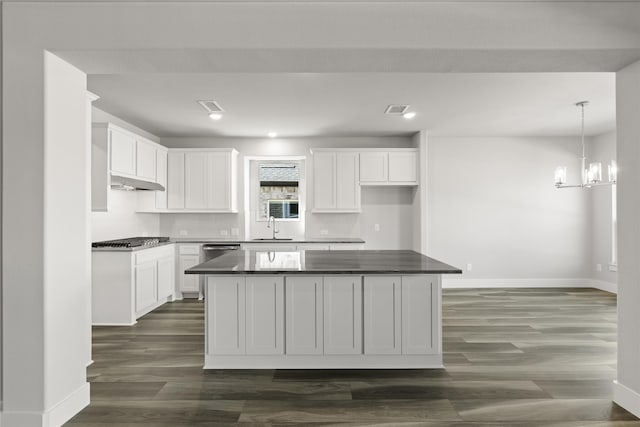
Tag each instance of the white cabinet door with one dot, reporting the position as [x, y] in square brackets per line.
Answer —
[420, 313]
[374, 166]
[145, 160]
[195, 182]
[324, 180]
[161, 178]
[175, 180]
[219, 181]
[403, 167]
[189, 282]
[382, 315]
[304, 315]
[347, 182]
[343, 315]
[225, 315]
[146, 277]
[265, 315]
[123, 153]
[166, 277]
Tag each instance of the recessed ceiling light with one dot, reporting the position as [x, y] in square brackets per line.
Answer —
[215, 116]
[409, 115]
[272, 134]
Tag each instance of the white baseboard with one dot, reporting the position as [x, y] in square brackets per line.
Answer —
[528, 283]
[605, 286]
[627, 398]
[54, 417]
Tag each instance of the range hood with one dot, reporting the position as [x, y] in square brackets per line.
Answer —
[131, 184]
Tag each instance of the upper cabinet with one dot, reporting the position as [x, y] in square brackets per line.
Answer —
[201, 180]
[335, 181]
[393, 167]
[119, 152]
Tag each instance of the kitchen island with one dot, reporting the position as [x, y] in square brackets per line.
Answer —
[323, 309]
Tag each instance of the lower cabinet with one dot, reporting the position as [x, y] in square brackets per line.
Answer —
[265, 314]
[382, 314]
[304, 317]
[146, 282]
[127, 285]
[421, 315]
[188, 256]
[225, 313]
[340, 321]
[342, 315]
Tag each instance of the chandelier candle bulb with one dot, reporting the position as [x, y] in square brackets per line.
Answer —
[613, 171]
[595, 172]
[561, 175]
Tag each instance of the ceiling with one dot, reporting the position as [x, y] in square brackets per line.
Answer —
[352, 104]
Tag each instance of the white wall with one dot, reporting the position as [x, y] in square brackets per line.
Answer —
[601, 148]
[121, 220]
[492, 203]
[627, 389]
[378, 204]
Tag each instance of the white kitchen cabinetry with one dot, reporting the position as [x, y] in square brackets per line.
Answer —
[265, 314]
[127, 285]
[161, 178]
[175, 180]
[314, 322]
[195, 181]
[188, 256]
[245, 315]
[389, 167]
[146, 160]
[374, 166]
[123, 152]
[225, 310]
[304, 315]
[382, 314]
[202, 180]
[342, 315]
[116, 152]
[336, 185]
[421, 317]
[146, 283]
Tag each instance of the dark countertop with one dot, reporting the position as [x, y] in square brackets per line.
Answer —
[295, 240]
[134, 249]
[323, 262]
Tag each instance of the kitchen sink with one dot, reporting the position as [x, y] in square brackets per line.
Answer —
[270, 239]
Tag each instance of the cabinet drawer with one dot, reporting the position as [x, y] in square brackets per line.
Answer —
[189, 249]
[152, 254]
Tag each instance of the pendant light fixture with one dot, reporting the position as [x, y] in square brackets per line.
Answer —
[591, 176]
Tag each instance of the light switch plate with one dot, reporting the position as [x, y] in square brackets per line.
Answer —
[224, 232]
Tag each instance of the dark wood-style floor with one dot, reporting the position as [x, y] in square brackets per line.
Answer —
[514, 357]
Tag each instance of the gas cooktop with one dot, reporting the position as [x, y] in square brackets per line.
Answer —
[132, 242]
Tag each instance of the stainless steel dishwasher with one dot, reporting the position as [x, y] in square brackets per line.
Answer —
[214, 250]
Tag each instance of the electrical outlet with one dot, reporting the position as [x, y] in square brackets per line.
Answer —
[184, 232]
[145, 234]
[376, 227]
[598, 267]
[469, 267]
[224, 232]
[324, 232]
[235, 231]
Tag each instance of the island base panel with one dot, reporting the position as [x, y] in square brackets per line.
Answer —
[368, 361]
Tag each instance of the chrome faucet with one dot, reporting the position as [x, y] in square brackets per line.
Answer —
[275, 230]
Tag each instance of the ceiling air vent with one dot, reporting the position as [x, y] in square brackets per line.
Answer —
[396, 109]
[211, 106]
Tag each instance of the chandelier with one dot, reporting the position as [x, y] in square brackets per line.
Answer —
[592, 175]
